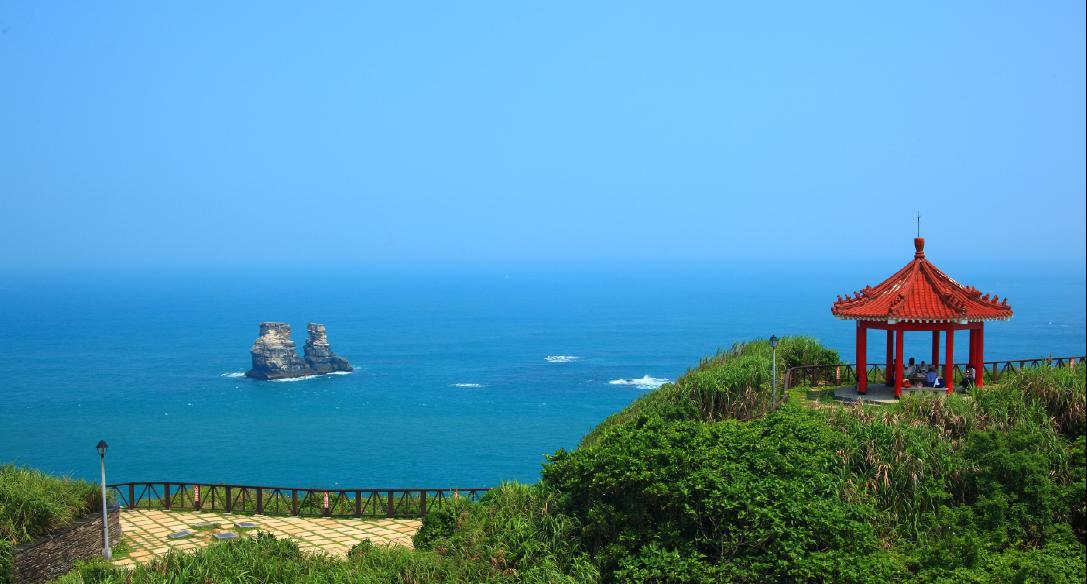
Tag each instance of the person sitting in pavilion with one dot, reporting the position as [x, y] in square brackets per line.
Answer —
[932, 379]
[922, 372]
[967, 378]
[911, 369]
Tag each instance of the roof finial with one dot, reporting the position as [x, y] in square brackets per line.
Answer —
[919, 242]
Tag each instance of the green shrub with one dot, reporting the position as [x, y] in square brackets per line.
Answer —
[753, 501]
[515, 529]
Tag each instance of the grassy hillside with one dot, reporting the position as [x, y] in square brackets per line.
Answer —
[731, 384]
[33, 504]
[704, 480]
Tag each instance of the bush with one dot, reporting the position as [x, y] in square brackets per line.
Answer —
[516, 530]
[753, 501]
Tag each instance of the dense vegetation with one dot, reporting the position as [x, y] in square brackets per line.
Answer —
[33, 504]
[708, 480]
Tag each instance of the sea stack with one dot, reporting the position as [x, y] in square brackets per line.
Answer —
[275, 357]
[319, 356]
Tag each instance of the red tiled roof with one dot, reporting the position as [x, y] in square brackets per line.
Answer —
[921, 292]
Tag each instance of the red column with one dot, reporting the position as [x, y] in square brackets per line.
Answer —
[973, 351]
[899, 367]
[979, 369]
[936, 348]
[862, 357]
[888, 372]
[949, 360]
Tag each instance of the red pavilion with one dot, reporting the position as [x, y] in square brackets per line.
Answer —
[920, 297]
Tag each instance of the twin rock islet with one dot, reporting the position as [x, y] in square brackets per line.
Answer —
[275, 357]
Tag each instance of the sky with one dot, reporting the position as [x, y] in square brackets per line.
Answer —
[283, 134]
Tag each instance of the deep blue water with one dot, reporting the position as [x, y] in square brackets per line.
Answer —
[140, 360]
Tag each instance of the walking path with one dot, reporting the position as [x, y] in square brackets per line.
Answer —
[882, 394]
[147, 532]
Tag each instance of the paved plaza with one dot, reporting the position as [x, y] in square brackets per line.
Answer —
[879, 393]
[147, 532]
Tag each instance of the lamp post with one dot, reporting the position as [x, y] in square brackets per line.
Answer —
[106, 551]
[774, 368]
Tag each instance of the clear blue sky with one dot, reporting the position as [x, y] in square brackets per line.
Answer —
[222, 134]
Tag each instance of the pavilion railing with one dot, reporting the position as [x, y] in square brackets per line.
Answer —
[305, 502]
[846, 374]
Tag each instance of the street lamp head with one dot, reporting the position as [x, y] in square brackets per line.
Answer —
[773, 342]
[102, 446]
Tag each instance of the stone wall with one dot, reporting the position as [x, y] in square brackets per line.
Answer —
[54, 555]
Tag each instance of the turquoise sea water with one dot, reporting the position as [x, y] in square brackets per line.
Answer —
[453, 386]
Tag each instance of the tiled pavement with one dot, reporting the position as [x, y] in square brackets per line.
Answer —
[145, 532]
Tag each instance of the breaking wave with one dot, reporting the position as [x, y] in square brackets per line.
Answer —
[468, 385]
[233, 374]
[293, 379]
[560, 358]
[645, 382]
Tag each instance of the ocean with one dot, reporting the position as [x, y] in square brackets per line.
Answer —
[465, 377]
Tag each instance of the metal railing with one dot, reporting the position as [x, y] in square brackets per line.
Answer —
[305, 502]
[846, 373]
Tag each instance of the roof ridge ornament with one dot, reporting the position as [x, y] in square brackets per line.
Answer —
[919, 245]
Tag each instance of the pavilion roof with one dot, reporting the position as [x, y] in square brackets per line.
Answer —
[921, 292]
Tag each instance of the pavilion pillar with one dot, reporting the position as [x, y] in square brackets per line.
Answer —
[888, 371]
[979, 368]
[899, 367]
[973, 351]
[936, 349]
[949, 360]
[862, 358]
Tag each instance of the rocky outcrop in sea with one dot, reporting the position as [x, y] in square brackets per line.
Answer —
[275, 356]
[319, 356]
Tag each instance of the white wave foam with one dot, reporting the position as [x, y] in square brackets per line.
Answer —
[293, 379]
[234, 374]
[340, 373]
[560, 358]
[468, 385]
[645, 382]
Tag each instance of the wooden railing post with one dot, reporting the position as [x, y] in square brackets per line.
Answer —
[294, 502]
[131, 496]
[260, 501]
[389, 506]
[165, 496]
[229, 506]
[422, 503]
[358, 503]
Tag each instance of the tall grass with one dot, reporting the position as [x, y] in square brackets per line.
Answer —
[32, 503]
[1062, 391]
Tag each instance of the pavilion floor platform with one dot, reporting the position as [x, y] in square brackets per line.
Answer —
[881, 394]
